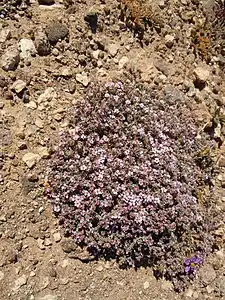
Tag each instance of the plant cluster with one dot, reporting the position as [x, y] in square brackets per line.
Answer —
[124, 179]
[138, 14]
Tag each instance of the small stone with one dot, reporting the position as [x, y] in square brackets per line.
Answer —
[68, 246]
[48, 95]
[161, 4]
[39, 123]
[113, 49]
[65, 263]
[31, 105]
[46, 2]
[18, 86]
[209, 289]
[1, 275]
[41, 209]
[20, 282]
[169, 40]
[57, 237]
[10, 59]
[44, 152]
[56, 31]
[201, 74]
[95, 54]
[207, 274]
[99, 268]
[146, 285]
[55, 52]
[5, 35]
[32, 274]
[83, 79]
[30, 159]
[42, 44]
[123, 61]
[41, 244]
[27, 48]
[22, 145]
[48, 242]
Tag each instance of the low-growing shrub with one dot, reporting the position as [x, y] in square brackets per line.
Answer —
[125, 177]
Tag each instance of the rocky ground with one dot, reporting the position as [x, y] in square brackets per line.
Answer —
[49, 53]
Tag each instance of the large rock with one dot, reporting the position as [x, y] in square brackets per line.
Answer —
[27, 48]
[10, 59]
[56, 31]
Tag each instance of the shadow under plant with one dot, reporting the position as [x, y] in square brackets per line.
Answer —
[125, 180]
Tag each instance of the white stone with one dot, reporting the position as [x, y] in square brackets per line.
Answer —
[10, 59]
[201, 74]
[1, 275]
[44, 152]
[95, 54]
[22, 280]
[48, 95]
[57, 237]
[146, 285]
[41, 244]
[31, 105]
[27, 48]
[5, 34]
[169, 40]
[113, 49]
[18, 86]
[30, 159]
[83, 79]
[123, 61]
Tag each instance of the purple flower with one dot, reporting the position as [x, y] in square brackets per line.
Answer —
[191, 265]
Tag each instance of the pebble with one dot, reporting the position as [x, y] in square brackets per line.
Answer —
[95, 54]
[32, 274]
[44, 152]
[42, 44]
[30, 159]
[47, 96]
[207, 274]
[1, 275]
[146, 285]
[41, 244]
[68, 246]
[57, 237]
[99, 268]
[201, 74]
[18, 86]
[56, 31]
[113, 49]
[22, 280]
[10, 59]
[169, 40]
[31, 105]
[48, 242]
[123, 61]
[5, 35]
[83, 79]
[27, 48]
